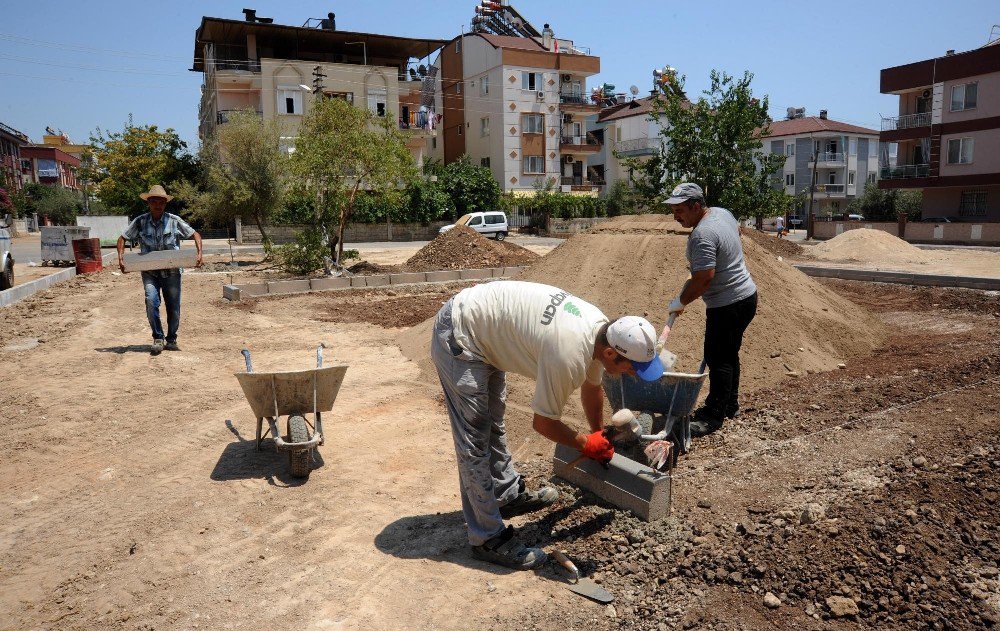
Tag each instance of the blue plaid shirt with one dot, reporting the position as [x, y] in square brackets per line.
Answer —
[165, 234]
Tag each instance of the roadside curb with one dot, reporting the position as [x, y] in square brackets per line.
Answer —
[20, 292]
[235, 293]
[905, 278]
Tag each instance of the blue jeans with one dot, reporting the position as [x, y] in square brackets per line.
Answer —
[170, 286]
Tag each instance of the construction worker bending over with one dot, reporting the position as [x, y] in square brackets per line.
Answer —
[553, 337]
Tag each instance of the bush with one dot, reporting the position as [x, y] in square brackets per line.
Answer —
[305, 256]
[427, 202]
[351, 254]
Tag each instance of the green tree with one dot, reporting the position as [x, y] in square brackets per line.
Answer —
[6, 205]
[342, 151]
[885, 204]
[716, 142]
[126, 163]
[244, 173]
[472, 188]
[428, 201]
[60, 205]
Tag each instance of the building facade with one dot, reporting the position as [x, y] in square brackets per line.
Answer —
[628, 131]
[844, 158]
[43, 164]
[519, 106]
[11, 165]
[278, 71]
[947, 133]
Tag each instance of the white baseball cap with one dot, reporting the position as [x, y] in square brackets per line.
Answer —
[635, 339]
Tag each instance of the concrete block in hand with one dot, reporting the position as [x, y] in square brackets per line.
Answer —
[626, 483]
[161, 259]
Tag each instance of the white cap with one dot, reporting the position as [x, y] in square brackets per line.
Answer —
[635, 339]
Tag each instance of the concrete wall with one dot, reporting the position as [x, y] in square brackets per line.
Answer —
[104, 227]
[569, 227]
[945, 202]
[919, 232]
[354, 233]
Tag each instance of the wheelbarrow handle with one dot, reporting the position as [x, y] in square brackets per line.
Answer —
[666, 328]
[246, 356]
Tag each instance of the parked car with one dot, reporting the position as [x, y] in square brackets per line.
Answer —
[855, 217]
[937, 220]
[6, 258]
[491, 224]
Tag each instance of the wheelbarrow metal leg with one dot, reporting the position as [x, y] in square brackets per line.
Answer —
[260, 426]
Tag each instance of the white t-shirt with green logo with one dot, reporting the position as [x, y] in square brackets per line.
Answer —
[534, 330]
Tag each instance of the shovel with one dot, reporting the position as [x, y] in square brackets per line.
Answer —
[583, 586]
[666, 357]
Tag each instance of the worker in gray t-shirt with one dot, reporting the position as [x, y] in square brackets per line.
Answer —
[719, 276]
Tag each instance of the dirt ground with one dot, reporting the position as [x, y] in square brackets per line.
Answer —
[134, 498]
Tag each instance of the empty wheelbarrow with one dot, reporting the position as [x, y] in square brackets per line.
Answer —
[293, 394]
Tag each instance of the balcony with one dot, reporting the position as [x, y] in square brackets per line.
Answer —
[222, 116]
[577, 184]
[829, 158]
[579, 144]
[577, 102]
[907, 121]
[904, 171]
[638, 147]
[830, 189]
[419, 125]
[243, 65]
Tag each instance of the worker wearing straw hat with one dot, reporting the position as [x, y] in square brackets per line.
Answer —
[160, 230]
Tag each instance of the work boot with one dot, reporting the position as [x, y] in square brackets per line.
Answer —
[507, 550]
[528, 501]
[171, 346]
[705, 422]
[157, 347]
[732, 412]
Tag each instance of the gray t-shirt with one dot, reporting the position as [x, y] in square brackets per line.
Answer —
[715, 244]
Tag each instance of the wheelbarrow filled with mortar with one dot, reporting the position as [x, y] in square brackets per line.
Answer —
[292, 394]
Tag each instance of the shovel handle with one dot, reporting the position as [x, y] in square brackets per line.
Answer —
[568, 565]
[246, 356]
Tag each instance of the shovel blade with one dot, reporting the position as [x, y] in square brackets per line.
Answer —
[588, 588]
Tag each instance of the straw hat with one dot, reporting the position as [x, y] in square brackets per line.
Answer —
[156, 191]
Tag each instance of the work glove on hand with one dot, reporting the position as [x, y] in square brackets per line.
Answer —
[598, 448]
[675, 307]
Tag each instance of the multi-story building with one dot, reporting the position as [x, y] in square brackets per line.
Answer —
[844, 158]
[44, 164]
[947, 133]
[519, 105]
[628, 131]
[11, 142]
[278, 70]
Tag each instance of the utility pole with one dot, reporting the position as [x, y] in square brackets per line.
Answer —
[812, 193]
[318, 77]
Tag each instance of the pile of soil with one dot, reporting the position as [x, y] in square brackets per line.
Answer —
[870, 246]
[778, 247]
[464, 248]
[367, 268]
[650, 223]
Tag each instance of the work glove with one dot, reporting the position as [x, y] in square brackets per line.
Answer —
[598, 448]
[675, 306]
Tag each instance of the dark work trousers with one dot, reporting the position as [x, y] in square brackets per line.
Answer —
[724, 327]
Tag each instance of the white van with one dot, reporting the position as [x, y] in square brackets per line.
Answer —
[6, 258]
[491, 224]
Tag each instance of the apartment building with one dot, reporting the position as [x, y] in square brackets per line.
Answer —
[11, 142]
[519, 105]
[843, 156]
[947, 133]
[44, 164]
[279, 70]
[629, 131]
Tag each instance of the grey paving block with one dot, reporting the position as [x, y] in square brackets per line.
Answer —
[626, 483]
[476, 274]
[22, 291]
[406, 278]
[378, 280]
[443, 276]
[358, 281]
[231, 292]
[497, 272]
[252, 289]
[321, 284]
[510, 271]
[287, 286]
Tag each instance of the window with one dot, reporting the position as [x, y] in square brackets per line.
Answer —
[434, 143]
[347, 96]
[289, 100]
[775, 146]
[872, 148]
[854, 146]
[484, 126]
[475, 221]
[484, 85]
[789, 179]
[377, 100]
[534, 124]
[960, 151]
[850, 178]
[534, 164]
[459, 130]
[871, 177]
[492, 220]
[458, 46]
[484, 162]
[972, 204]
[531, 80]
[618, 134]
[790, 149]
[963, 97]
[458, 88]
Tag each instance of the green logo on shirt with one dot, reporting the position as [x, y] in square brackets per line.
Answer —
[572, 308]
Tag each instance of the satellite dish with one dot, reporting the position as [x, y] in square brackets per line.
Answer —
[634, 90]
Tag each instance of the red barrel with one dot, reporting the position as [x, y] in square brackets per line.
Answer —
[88, 255]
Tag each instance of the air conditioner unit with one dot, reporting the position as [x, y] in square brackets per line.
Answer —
[568, 159]
[926, 94]
[566, 77]
[540, 96]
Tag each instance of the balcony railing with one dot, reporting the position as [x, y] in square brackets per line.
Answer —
[904, 171]
[576, 180]
[576, 99]
[907, 121]
[418, 121]
[638, 146]
[582, 141]
[222, 116]
[829, 156]
[830, 189]
[248, 65]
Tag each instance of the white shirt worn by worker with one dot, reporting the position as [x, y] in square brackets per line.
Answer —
[535, 330]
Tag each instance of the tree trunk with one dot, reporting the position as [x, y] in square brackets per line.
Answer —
[264, 239]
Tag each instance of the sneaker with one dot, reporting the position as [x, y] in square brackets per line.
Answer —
[704, 422]
[157, 347]
[733, 412]
[528, 501]
[507, 550]
[171, 346]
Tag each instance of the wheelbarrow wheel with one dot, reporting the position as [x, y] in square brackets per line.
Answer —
[299, 459]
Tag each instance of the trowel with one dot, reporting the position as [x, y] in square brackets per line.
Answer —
[584, 586]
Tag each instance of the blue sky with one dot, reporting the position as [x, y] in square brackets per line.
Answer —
[79, 65]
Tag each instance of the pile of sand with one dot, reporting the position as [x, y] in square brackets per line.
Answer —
[464, 248]
[870, 246]
[774, 245]
[639, 274]
[653, 223]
